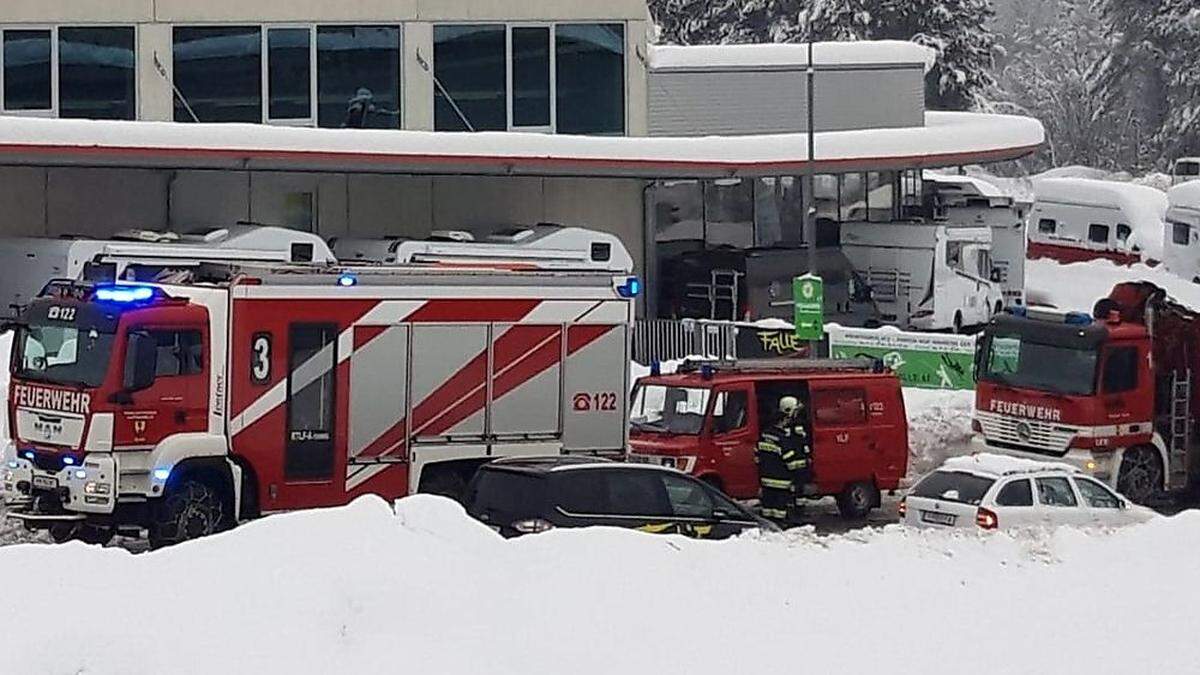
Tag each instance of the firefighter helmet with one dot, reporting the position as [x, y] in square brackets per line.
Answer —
[788, 405]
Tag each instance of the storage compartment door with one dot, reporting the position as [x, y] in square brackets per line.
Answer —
[449, 382]
[596, 388]
[379, 394]
[526, 381]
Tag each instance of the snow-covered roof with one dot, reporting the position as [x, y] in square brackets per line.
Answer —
[947, 139]
[707, 57]
[1144, 207]
[968, 184]
[999, 465]
[1185, 196]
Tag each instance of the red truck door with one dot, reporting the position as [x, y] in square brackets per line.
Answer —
[844, 447]
[732, 438]
[177, 399]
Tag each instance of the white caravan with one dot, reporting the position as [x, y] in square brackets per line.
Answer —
[1185, 169]
[926, 276]
[1181, 240]
[1077, 219]
[28, 263]
[545, 246]
[966, 201]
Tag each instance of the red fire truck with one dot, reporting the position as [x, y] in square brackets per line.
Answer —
[707, 418]
[185, 407]
[1111, 392]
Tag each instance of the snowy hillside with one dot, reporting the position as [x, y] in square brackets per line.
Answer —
[361, 589]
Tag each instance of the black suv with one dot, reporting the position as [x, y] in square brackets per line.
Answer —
[526, 495]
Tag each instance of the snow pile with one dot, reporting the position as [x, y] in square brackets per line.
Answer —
[998, 465]
[1077, 287]
[1185, 195]
[361, 589]
[939, 427]
[867, 52]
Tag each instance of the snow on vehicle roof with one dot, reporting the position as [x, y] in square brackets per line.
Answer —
[1001, 465]
[982, 187]
[948, 138]
[1144, 207]
[1185, 196]
[867, 52]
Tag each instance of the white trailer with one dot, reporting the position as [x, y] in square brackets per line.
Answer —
[926, 276]
[1181, 240]
[28, 263]
[1185, 169]
[967, 201]
[543, 246]
[1077, 219]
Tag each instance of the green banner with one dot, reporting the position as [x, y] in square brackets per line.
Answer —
[926, 360]
[808, 297]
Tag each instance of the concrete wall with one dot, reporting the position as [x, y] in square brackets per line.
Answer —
[757, 101]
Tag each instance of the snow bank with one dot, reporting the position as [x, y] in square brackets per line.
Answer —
[1185, 195]
[1077, 287]
[939, 427]
[361, 589]
[875, 52]
[998, 465]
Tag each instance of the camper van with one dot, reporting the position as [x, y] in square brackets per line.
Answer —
[28, 263]
[1185, 169]
[967, 201]
[1077, 219]
[1181, 240]
[926, 276]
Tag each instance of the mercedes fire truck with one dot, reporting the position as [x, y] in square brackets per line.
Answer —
[1111, 393]
[184, 406]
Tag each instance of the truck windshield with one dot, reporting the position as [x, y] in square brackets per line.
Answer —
[1012, 360]
[63, 354]
[669, 410]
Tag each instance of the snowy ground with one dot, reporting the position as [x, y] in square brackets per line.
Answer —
[424, 589]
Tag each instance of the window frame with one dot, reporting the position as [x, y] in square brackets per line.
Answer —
[1015, 482]
[1041, 226]
[55, 109]
[1037, 480]
[1104, 489]
[311, 120]
[1176, 229]
[1110, 355]
[1108, 232]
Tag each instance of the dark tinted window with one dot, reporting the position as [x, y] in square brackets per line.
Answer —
[96, 75]
[1016, 493]
[1123, 232]
[1056, 492]
[531, 76]
[1187, 169]
[1120, 370]
[1096, 495]
[1098, 234]
[179, 352]
[609, 492]
[1180, 233]
[1047, 225]
[218, 72]
[469, 61]
[601, 251]
[689, 498]
[590, 59]
[358, 76]
[27, 70]
[502, 497]
[953, 486]
[289, 73]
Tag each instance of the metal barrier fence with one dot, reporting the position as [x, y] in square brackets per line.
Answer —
[670, 339]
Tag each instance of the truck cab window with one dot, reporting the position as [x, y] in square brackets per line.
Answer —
[1120, 370]
[180, 352]
[730, 411]
[1098, 234]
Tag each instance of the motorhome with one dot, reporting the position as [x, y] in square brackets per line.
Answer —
[1181, 239]
[28, 263]
[1077, 219]
[926, 276]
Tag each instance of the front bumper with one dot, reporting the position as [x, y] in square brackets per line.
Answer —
[1100, 465]
[31, 493]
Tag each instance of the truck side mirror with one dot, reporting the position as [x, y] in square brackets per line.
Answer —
[141, 362]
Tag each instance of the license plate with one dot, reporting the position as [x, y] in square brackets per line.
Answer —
[44, 483]
[938, 518]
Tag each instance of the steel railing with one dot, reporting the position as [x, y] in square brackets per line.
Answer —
[671, 339]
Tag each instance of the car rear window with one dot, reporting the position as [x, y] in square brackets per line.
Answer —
[953, 486]
[507, 495]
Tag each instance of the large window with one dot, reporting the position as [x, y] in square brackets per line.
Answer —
[78, 72]
[566, 78]
[218, 72]
[331, 76]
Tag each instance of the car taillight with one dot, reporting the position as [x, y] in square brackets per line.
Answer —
[903, 508]
[986, 519]
[532, 525]
[976, 426]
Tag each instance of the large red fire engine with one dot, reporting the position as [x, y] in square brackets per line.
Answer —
[185, 407]
[1111, 393]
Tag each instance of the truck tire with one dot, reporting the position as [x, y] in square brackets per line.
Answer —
[857, 500]
[95, 534]
[1141, 475]
[61, 533]
[190, 510]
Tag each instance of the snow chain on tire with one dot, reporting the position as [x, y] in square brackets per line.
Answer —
[190, 510]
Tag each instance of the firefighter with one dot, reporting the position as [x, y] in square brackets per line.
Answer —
[782, 458]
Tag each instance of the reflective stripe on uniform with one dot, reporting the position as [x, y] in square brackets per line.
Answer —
[798, 464]
[776, 483]
[765, 446]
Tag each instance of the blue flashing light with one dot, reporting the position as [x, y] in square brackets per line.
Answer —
[12, 464]
[347, 280]
[68, 460]
[631, 288]
[80, 474]
[1077, 319]
[124, 294]
[161, 474]
[28, 454]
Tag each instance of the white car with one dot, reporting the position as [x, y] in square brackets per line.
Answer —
[996, 492]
